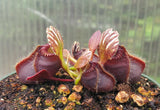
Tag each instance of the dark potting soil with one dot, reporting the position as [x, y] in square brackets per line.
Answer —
[47, 96]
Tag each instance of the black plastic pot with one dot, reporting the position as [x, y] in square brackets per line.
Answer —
[146, 76]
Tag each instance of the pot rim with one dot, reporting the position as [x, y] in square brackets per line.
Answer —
[7, 75]
[151, 79]
[144, 75]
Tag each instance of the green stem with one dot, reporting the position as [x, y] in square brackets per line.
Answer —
[78, 77]
[72, 68]
[65, 66]
[72, 59]
[72, 73]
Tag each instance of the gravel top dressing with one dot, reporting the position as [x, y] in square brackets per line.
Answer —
[143, 95]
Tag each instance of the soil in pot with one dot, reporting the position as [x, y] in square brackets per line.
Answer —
[143, 95]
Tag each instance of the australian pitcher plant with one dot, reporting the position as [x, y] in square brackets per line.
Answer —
[97, 71]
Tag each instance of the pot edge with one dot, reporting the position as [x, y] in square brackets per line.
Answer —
[146, 76]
